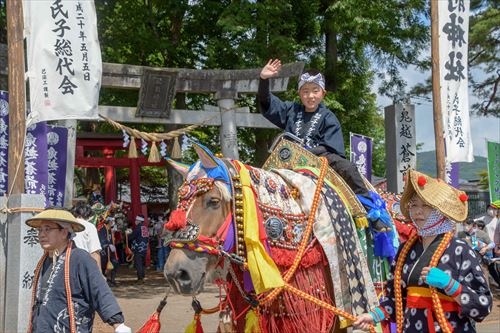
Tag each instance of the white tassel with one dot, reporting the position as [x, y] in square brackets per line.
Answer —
[126, 139]
[144, 147]
[163, 148]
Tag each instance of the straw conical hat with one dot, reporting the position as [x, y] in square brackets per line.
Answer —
[55, 215]
[435, 193]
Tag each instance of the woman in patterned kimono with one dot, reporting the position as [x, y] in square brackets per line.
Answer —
[437, 284]
[68, 287]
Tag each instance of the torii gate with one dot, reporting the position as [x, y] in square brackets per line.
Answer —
[225, 84]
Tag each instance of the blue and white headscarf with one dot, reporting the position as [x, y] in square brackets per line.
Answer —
[436, 224]
[308, 78]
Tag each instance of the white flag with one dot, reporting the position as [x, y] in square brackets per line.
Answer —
[453, 45]
[64, 59]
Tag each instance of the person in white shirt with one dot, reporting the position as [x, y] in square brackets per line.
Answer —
[88, 239]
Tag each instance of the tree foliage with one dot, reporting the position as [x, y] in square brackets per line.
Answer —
[484, 56]
[483, 59]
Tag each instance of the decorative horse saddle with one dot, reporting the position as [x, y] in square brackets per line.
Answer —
[289, 155]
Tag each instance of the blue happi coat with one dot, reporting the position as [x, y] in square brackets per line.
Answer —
[89, 292]
[319, 128]
[139, 239]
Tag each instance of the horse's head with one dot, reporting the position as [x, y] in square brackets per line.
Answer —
[199, 224]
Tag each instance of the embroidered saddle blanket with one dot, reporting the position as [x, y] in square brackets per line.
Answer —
[284, 199]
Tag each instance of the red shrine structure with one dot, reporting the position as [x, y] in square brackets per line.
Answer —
[99, 151]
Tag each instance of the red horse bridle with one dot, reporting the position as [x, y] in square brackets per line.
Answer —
[186, 234]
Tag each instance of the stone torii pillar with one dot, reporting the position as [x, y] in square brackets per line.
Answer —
[228, 132]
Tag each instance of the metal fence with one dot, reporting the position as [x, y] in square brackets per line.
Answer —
[478, 202]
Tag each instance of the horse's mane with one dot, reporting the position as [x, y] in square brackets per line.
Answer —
[221, 186]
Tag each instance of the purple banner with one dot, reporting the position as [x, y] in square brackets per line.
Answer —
[4, 141]
[361, 154]
[44, 157]
[35, 160]
[452, 174]
[57, 142]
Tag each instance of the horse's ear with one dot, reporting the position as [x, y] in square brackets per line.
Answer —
[182, 168]
[207, 159]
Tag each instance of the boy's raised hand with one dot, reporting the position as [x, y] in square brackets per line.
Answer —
[270, 69]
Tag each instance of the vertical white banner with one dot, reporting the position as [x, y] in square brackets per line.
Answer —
[406, 146]
[64, 59]
[453, 45]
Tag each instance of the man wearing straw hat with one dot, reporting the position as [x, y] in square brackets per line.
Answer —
[437, 283]
[68, 287]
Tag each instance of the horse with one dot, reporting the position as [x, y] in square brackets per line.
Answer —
[284, 247]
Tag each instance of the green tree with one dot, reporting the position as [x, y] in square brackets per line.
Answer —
[484, 56]
[346, 39]
[483, 59]
[484, 181]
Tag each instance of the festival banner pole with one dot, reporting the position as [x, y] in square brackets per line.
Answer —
[19, 246]
[17, 98]
[436, 93]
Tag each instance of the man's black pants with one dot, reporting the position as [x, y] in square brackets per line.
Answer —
[349, 172]
[140, 264]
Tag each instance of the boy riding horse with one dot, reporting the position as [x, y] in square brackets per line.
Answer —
[319, 129]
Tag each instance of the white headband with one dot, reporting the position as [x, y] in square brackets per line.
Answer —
[139, 218]
[308, 78]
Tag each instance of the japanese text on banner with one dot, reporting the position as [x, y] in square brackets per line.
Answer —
[406, 148]
[361, 154]
[64, 59]
[4, 142]
[453, 36]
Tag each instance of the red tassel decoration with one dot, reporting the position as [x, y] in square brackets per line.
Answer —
[178, 220]
[199, 328]
[153, 325]
[195, 325]
[463, 197]
[287, 312]
[421, 181]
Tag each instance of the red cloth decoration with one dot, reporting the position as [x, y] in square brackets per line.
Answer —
[152, 325]
[421, 181]
[284, 257]
[405, 230]
[463, 197]
[178, 220]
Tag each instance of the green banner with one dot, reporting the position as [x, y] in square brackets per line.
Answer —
[494, 170]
